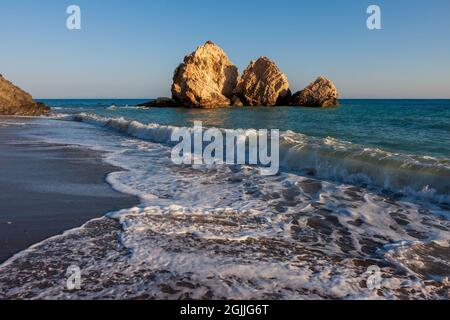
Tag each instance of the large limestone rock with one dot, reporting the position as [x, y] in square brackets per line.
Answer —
[320, 93]
[15, 101]
[263, 84]
[205, 79]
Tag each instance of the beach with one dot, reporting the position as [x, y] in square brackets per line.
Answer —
[226, 231]
[46, 189]
[225, 153]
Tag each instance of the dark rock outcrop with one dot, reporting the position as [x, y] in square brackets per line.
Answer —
[161, 102]
[206, 78]
[236, 102]
[263, 84]
[15, 101]
[320, 93]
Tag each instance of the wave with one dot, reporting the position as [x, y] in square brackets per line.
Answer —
[421, 176]
[227, 231]
[424, 177]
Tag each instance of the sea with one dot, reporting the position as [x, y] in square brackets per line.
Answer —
[360, 208]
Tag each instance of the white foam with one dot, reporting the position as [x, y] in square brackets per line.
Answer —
[423, 177]
[286, 236]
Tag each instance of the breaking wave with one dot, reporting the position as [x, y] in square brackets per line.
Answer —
[227, 232]
[424, 177]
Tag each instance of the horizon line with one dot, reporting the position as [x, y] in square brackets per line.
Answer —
[133, 98]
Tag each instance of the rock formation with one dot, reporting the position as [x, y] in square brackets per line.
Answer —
[236, 102]
[320, 93]
[263, 84]
[206, 78]
[161, 102]
[15, 101]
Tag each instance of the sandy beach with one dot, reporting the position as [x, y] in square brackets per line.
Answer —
[220, 157]
[46, 189]
[199, 232]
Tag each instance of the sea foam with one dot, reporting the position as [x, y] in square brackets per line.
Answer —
[325, 158]
[223, 231]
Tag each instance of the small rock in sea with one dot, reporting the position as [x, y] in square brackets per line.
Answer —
[161, 102]
[236, 102]
[321, 93]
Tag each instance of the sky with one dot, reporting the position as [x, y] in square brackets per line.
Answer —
[129, 49]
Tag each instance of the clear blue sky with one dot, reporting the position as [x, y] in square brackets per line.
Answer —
[130, 48]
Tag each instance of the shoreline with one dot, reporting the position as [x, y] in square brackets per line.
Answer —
[44, 193]
[234, 243]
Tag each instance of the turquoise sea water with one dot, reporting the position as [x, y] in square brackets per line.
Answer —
[420, 127]
[366, 184]
[397, 145]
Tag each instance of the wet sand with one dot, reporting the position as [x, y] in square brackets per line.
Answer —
[46, 189]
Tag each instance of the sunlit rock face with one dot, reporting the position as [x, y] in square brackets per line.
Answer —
[263, 84]
[321, 93]
[15, 101]
[206, 78]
